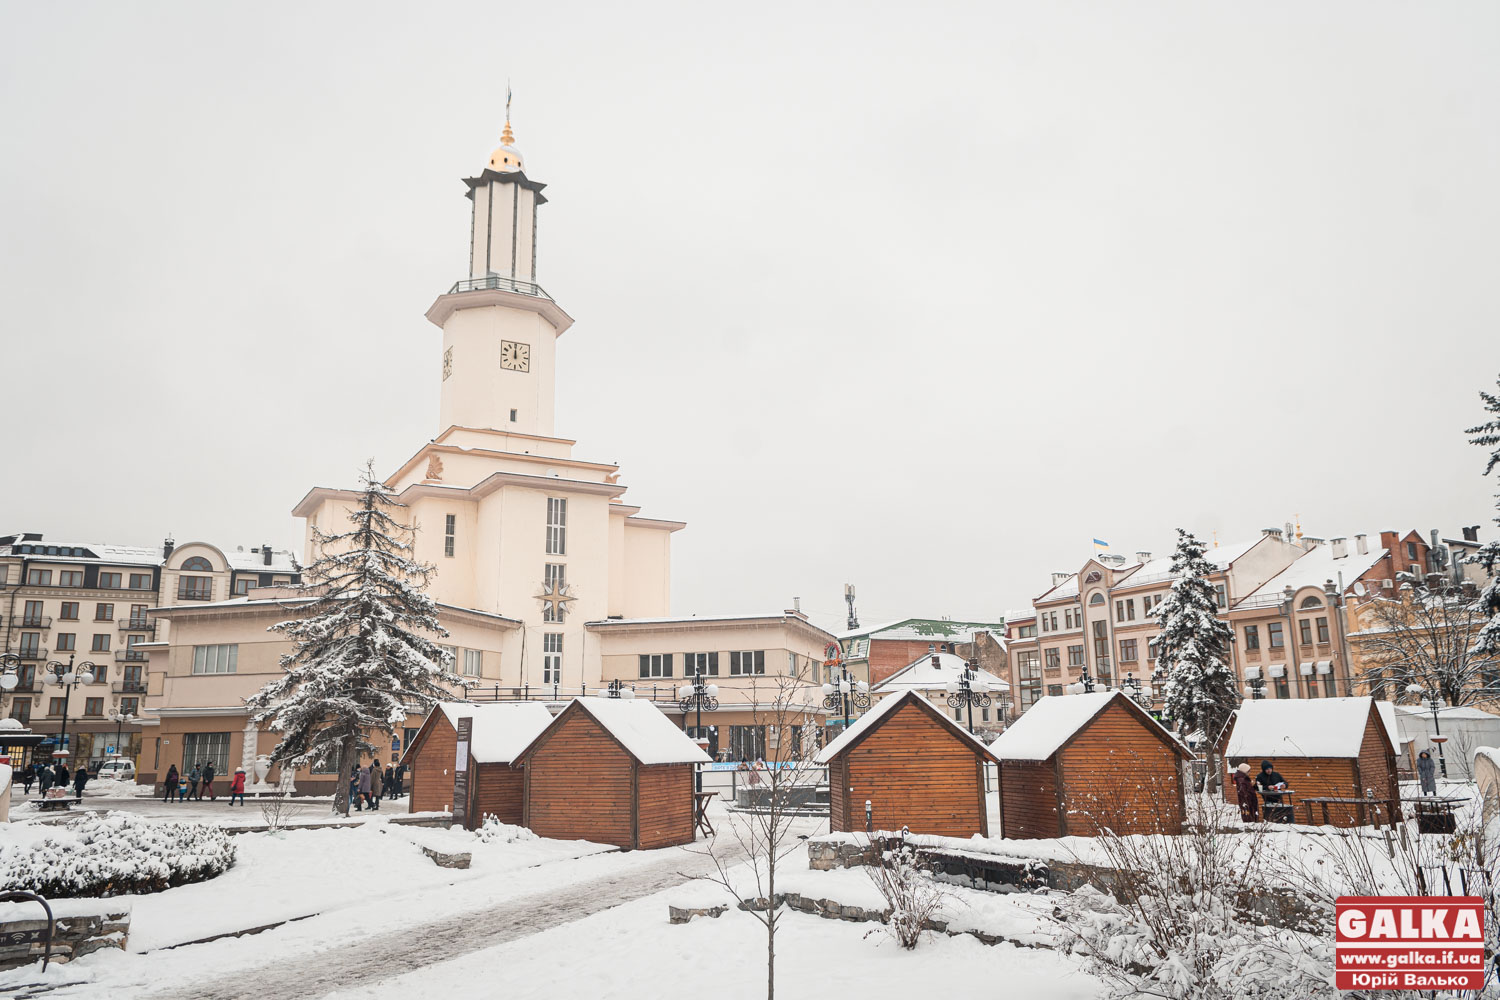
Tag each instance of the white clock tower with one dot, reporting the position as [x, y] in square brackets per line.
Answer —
[500, 328]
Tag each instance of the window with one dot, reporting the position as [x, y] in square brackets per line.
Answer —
[31, 645]
[1149, 603]
[747, 662]
[984, 715]
[1127, 650]
[55, 706]
[213, 748]
[1029, 664]
[140, 581]
[1323, 631]
[1411, 550]
[1026, 632]
[138, 616]
[1252, 636]
[39, 577]
[219, 659]
[1052, 619]
[72, 578]
[1274, 635]
[130, 706]
[1152, 649]
[552, 657]
[104, 612]
[1054, 658]
[747, 742]
[109, 581]
[1304, 629]
[1221, 595]
[197, 564]
[20, 710]
[66, 641]
[1096, 599]
[1281, 688]
[557, 526]
[241, 586]
[195, 588]
[513, 414]
[1068, 614]
[447, 363]
[93, 706]
[1312, 685]
[1054, 690]
[450, 531]
[101, 644]
[69, 612]
[1125, 610]
[452, 658]
[1075, 656]
[555, 576]
[473, 662]
[700, 663]
[31, 615]
[1311, 602]
[958, 714]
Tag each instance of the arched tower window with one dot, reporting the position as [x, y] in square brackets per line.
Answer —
[197, 564]
[1311, 602]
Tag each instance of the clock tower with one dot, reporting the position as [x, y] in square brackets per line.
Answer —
[500, 328]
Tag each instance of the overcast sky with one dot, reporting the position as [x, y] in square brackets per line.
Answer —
[922, 297]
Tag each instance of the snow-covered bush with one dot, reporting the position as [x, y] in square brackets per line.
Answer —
[912, 896]
[114, 853]
[492, 831]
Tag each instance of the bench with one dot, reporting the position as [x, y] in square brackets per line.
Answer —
[53, 805]
[1372, 804]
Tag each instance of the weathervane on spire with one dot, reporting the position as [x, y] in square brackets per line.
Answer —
[506, 137]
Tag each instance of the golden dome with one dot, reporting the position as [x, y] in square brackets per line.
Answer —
[507, 158]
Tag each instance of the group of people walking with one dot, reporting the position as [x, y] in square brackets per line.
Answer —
[199, 782]
[55, 775]
[369, 784]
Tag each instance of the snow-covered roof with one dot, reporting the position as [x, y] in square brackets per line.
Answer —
[1303, 727]
[642, 729]
[255, 562]
[884, 708]
[1450, 712]
[1317, 566]
[702, 619]
[921, 675]
[1068, 588]
[1044, 727]
[1019, 615]
[928, 629]
[82, 552]
[500, 731]
[1159, 570]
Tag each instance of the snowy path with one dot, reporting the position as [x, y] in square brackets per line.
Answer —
[381, 956]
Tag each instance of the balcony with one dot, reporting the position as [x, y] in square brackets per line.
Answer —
[28, 652]
[31, 621]
[128, 687]
[128, 655]
[195, 594]
[145, 625]
[498, 282]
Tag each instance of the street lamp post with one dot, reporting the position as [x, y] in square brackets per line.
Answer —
[1256, 688]
[119, 718]
[617, 689]
[969, 690]
[1140, 693]
[845, 693]
[698, 696]
[64, 676]
[1083, 685]
[1435, 702]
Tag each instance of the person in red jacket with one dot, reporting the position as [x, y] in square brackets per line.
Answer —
[237, 786]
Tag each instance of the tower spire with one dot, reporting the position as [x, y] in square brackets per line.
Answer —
[506, 138]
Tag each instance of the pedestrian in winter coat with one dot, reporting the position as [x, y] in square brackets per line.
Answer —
[237, 786]
[354, 790]
[364, 786]
[1268, 780]
[43, 775]
[1427, 771]
[401, 779]
[80, 779]
[171, 782]
[377, 782]
[28, 777]
[194, 776]
[389, 782]
[208, 780]
[60, 775]
[1244, 794]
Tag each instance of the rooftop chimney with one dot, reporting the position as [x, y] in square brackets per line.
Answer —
[1471, 534]
[167, 546]
[1272, 533]
[1340, 547]
[1310, 542]
[266, 553]
[1058, 579]
[1362, 544]
[1143, 557]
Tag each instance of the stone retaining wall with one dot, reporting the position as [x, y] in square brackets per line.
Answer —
[82, 927]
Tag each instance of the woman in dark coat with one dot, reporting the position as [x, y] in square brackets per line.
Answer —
[80, 778]
[1268, 779]
[1244, 794]
[171, 782]
[1427, 771]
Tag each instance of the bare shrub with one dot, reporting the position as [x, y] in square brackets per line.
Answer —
[278, 810]
[912, 896]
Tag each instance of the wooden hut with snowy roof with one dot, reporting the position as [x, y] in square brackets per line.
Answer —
[612, 771]
[1077, 762]
[498, 734]
[1325, 748]
[915, 766]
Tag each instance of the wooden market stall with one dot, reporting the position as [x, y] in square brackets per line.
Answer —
[1075, 763]
[499, 733]
[915, 766]
[1327, 749]
[612, 771]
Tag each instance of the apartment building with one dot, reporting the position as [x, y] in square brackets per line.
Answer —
[875, 653]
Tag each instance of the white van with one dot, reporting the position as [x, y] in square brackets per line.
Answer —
[123, 770]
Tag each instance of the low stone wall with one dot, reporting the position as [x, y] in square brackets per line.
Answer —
[82, 926]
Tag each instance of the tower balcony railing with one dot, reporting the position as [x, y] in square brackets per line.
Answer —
[499, 282]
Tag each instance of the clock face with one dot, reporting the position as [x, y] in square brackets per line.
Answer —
[515, 356]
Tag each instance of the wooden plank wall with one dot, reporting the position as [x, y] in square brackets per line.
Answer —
[838, 798]
[498, 791]
[1119, 774]
[1029, 790]
[917, 774]
[1312, 776]
[1377, 763]
[665, 816]
[430, 779]
[578, 785]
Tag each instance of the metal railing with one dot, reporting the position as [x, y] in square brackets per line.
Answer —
[128, 687]
[137, 625]
[662, 694]
[128, 655]
[499, 282]
[31, 621]
[28, 652]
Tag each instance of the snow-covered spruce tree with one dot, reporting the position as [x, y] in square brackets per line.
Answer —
[1193, 648]
[1487, 435]
[363, 658]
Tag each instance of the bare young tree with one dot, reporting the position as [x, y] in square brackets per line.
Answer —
[1424, 641]
[747, 850]
[912, 895]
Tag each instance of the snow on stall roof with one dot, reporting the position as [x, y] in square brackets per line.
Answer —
[1302, 727]
[1044, 727]
[501, 731]
[921, 675]
[644, 731]
[1316, 567]
[1450, 712]
[885, 707]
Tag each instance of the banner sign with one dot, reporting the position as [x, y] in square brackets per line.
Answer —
[461, 772]
[1409, 943]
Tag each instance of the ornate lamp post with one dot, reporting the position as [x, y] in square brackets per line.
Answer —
[64, 676]
[10, 671]
[1139, 693]
[969, 690]
[1435, 702]
[617, 689]
[1083, 685]
[119, 718]
[699, 697]
[844, 693]
[1255, 688]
